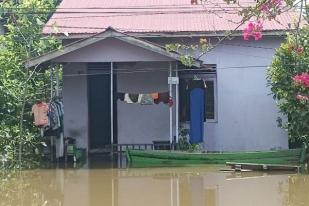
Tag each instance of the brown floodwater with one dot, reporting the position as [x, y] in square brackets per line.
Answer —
[184, 186]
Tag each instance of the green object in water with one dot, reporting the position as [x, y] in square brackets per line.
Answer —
[71, 149]
[138, 158]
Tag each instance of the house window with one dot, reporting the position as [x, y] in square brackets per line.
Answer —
[210, 79]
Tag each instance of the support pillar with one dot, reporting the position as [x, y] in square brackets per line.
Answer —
[57, 80]
[112, 105]
[177, 105]
[51, 97]
[171, 108]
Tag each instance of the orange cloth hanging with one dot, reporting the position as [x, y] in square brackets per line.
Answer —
[154, 95]
[40, 111]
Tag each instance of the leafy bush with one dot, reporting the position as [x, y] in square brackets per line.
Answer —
[287, 78]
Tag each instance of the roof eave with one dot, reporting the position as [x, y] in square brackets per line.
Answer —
[273, 33]
[110, 32]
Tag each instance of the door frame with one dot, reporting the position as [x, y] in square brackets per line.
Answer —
[115, 114]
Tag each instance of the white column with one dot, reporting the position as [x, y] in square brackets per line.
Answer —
[57, 80]
[51, 81]
[112, 102]
[177, 106]
[51, 97]
[171, 108]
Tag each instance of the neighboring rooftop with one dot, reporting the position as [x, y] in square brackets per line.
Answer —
[87, 17]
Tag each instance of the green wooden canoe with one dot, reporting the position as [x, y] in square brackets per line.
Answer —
[155, 158]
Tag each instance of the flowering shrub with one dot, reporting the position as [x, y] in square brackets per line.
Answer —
[288, 77]
[302, 97]
[267, 9]
[270, 8]
[253, 29]
[302, 79]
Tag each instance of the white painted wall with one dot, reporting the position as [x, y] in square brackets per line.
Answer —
[75, 103]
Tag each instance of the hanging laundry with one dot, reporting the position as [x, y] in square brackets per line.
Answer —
[134, 97]
[146, 99]
[155, 95]
[197, 110]
[139, 100]
[162, 97]
[170, 102]
[120, 96]
[60, 138]
[40, 112]
[55, 115]
[127, 99]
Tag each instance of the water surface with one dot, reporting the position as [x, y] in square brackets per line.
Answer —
[187, 186]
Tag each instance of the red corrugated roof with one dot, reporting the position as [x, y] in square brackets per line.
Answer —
[94, 16]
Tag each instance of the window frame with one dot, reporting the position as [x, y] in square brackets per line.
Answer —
[206, 76]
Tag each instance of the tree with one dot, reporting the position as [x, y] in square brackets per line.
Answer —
[20, 87]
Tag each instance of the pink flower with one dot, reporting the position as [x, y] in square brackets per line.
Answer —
[245, 34]
[253, 29]
[302, 79]
[257, 35]
[300, 50]
[299, 97]
[302, 97]
[250, 26]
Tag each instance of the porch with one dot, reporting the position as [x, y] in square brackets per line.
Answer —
[97, 119]
[95, 70]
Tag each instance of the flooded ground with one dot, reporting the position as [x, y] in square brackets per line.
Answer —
[185, 186]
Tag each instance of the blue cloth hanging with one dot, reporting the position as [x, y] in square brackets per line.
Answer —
[197, 107]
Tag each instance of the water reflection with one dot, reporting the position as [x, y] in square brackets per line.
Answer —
[193, 186]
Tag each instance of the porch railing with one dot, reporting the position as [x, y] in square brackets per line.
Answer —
[157, 145]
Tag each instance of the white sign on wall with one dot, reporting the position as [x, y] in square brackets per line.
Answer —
[173, 80]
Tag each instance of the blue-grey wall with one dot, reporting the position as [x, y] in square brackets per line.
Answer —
[75, 103]
[143, 123]
[246, 112]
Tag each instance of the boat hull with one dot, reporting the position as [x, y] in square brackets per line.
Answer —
[172, 158]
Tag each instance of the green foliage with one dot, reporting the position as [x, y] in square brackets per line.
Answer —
[184, 144]
[21, 87]
[292, 58]
[186, 51]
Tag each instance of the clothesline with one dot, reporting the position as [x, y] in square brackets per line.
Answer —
[146, 99]
[128, 71]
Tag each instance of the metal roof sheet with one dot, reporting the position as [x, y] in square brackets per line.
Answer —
[152, 16]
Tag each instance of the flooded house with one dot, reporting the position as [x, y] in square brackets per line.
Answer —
[114, 55]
